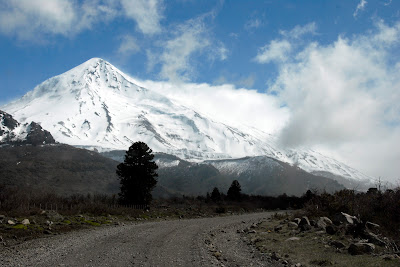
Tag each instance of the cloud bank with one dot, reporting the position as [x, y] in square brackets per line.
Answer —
[345, 97]
[227, 103]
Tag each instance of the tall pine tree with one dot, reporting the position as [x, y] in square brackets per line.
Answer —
[234, 192]
[137, 175]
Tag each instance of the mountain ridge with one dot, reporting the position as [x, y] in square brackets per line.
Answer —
[95, 105]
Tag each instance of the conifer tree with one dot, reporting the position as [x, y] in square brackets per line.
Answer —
[215, 195]
[234, 191]
[137, 175]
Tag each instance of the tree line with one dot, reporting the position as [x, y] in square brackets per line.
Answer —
[137, 175]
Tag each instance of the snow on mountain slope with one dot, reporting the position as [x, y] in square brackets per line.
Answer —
[96, 105]
[12, 132]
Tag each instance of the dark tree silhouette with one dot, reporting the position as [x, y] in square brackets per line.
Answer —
[137, 175]
[234, 191]
[215, 195]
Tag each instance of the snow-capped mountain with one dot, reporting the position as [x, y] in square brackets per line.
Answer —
[96, 105]
[12, 132]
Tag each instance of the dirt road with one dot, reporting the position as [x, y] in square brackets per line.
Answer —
[193, 242]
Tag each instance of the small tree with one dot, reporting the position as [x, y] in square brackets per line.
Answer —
[234, 191]
[137, 175]
[215, 195]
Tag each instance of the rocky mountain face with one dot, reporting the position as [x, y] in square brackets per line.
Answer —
[14, 133]
[96, 106]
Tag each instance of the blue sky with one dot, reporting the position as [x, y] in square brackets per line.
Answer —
[324, 74]
[229, 35]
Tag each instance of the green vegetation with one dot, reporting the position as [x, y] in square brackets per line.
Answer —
[20, 226]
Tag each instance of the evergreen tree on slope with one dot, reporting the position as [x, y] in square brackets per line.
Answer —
[137, 175]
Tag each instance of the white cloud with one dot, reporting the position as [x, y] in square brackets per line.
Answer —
[234, 35]
[226, 103]
[253, 24]
[24, 17]
[247, 82]
[151, 60]
[189, 39]
[279, 50]
[35, 20]
[128, 46]
[360, 7]
[299, 31]
[345, 97]
[147, 14]
[386, 35]
[276, 50]
[222, 52]
[387, 3]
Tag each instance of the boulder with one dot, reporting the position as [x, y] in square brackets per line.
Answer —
[337, 244]
[292, 225]
[296, 220]
[320, 224]
[361, 248]
[370, 226]
[275, 256]
[355, 230]
[390, 257]
[331, 229]
[304, 221]
[374, 239]
[278, 228]
[11, 222]
[25, 222]
[47, 232]
[54, 216]
[326, 220]
[305, 227]
[345, 218]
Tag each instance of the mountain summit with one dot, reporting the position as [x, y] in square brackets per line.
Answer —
[95, 105]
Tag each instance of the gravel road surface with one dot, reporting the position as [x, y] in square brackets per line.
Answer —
[193, 242]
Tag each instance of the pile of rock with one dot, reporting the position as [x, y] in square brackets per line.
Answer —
[362, 237]
[13, 221]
